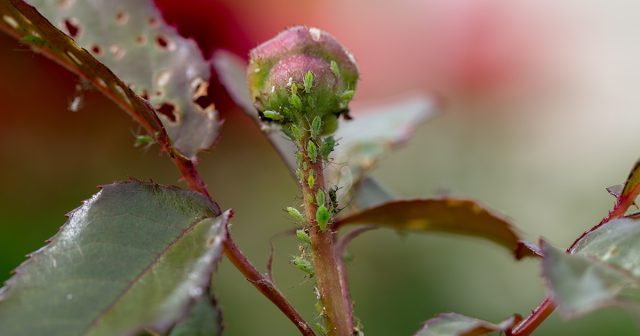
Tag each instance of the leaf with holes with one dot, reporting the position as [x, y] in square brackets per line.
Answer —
[204, 319]
[131, 38]
[580, 284]
[25, 23]
[361, 142]
[133, 256]
[457, 216]
[452, 324]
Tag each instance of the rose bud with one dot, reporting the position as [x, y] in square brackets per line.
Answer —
[300, 74]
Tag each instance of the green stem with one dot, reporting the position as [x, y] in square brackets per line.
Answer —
[333, 294]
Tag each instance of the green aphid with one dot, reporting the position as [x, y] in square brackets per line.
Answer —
[303, 236]
[335, 69]
[304, 165]
[273, 115]
[316, 127]
[35, 40]
[286, 112]
[312, 151]
[287, 132]
[143, 140]
[295, 132]
[346, 96]
[294, 89]
[327, 147]
[311, 180]
[299, 157]
[320, 197]
[308, 81]
[322, 330]
[295, 101]
[299, 174]
[322, 217]
[303, 264]
[311, 102]
[293, 212]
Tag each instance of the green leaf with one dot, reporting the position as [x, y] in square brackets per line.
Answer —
[372, 133]
[22, 21]
[616, 243]
[457, 216]
[369, 193]
[132, 39]
[133, 256]
[453, 324]
[204, 319]
[579, 284]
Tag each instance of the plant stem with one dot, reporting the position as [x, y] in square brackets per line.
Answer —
[533, 321]
[264, 285]
[333, 294]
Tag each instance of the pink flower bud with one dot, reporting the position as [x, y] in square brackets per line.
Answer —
[302, 73]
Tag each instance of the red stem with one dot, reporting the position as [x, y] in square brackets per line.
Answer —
[264, 285]
[533, 321]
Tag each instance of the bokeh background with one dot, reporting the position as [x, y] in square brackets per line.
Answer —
[539, 102]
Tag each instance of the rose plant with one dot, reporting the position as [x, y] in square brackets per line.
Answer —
[138, 257]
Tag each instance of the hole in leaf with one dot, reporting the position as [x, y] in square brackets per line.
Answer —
[201, 93]
[96, 49]
[168, 110]
[72, 27]
[203, 102]
[122, 17]
[162, 42]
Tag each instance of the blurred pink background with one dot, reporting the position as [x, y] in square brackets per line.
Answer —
[539, 100]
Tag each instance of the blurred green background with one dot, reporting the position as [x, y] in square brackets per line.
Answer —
[539, 117]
